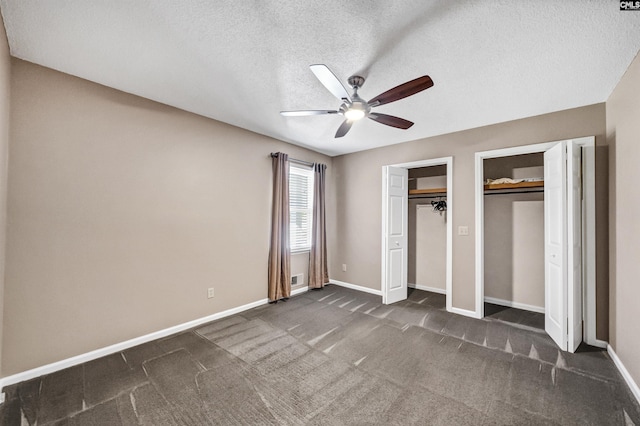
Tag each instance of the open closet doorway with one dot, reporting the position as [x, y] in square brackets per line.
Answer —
[432, 179]
[514, 231]
[427, 232]
[561, 258]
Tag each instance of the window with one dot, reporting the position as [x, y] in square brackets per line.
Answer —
[300, 207]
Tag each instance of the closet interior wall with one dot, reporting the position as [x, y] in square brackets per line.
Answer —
[514, 235]
[427, 231]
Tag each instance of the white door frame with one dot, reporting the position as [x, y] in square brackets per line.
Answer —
[589, 259]
[443, 161]
[589, 240]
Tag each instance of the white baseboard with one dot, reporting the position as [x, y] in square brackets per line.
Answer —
[623, 370]
[356, 287]
[512, 304]
[299, 290]
[465, 312]
[427, 288]
[118, 347]
[598, 343]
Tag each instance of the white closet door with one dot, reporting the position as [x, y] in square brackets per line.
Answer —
[555, 237]
[396, 225]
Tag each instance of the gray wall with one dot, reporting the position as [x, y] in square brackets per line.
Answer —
[123, 212]
[300, 265]
[358, 197]
[514, 248]
[623, 136]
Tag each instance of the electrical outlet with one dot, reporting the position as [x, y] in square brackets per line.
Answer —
[463, 230]
[210, 293]
[344, 267]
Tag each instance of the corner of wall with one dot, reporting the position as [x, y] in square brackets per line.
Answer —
[5, 82]
[622, 130]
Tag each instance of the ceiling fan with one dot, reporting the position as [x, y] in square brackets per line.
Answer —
[354, 107]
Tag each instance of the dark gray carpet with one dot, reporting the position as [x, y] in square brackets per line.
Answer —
[337, 357]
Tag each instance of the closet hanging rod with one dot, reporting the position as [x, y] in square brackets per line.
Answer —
[502, 192]
[293, 160]
[412, 196]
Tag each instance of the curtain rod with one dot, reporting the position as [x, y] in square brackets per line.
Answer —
[293, 160]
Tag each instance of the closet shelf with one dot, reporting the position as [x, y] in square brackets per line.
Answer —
[428, 191]
[491, 187]
[519, 185]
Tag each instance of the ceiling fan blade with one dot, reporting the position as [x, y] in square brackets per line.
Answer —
[344, 128]
[330, 81]
[390, 120]
[402, 91]
[308, 112]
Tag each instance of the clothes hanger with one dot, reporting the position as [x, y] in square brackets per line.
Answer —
[439, 206]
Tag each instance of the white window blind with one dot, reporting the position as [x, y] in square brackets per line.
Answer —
[300, 207]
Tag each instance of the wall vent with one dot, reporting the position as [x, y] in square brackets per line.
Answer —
[297, 279]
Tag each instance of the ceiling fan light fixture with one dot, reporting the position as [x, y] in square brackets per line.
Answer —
[354, 108]
[354, 114]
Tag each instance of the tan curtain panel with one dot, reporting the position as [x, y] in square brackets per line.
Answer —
[279, 252]
[318, 271]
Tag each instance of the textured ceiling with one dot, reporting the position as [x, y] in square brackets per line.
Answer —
[241, 61]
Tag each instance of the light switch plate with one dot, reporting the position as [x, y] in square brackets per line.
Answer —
[463, 230]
